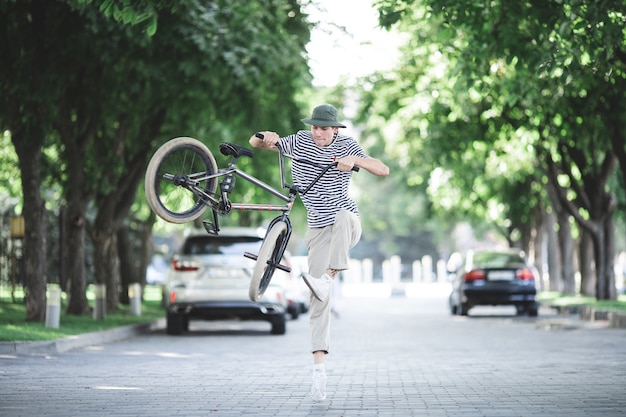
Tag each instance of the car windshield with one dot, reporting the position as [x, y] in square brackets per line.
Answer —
[496, 260]
[221, 245]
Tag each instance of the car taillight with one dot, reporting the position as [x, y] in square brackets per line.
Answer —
[474, 275]
[183, 266]
[524, 274]
[172, 297]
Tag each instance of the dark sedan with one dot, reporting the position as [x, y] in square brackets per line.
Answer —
[494, 277]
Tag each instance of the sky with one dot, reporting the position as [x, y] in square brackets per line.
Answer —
[365, 49]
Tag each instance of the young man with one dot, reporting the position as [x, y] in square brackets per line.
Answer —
[332, 216]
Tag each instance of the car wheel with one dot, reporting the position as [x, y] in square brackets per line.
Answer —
[294, 311]
[463, 310]
[520, 310]
[452, 306]
[279, 324]
[175, 323]
[453, 309]
[533, 311]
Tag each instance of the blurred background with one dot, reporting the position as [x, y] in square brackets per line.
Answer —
[502, 124]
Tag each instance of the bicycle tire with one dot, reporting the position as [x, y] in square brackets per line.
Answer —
[179, 157]
[262, 272]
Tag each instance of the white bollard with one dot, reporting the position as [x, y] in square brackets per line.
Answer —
[427, 268]
[53, 306]
[417, 271]
[99, 302]
[386, 267]
[134, 295]
[442, 271]
[355, 272]
[395, 265]
[368, 270]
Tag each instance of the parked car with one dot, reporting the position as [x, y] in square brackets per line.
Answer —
[209, 279]
[494, 277]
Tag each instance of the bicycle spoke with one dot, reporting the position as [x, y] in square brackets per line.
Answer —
[181, 180]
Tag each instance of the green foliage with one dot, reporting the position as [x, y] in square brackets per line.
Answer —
[114, 88]
[484, 85]
[131, 12]
[10, 185]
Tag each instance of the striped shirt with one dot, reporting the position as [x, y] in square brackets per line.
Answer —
[330, 194]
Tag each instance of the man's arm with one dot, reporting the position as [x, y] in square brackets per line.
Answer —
[371, 165]
[269, 141]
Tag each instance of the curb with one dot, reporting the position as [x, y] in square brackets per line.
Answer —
[79, 341]
[612, 319]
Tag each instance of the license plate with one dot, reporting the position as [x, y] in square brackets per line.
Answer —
[501, 275]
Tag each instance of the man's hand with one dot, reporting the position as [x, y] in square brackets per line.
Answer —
[269, 141]
[270, 138]
[345, 164]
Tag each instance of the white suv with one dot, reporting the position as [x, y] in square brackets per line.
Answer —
[209, 279]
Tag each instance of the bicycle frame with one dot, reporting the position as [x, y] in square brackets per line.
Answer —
[223, 205]
[224, 186]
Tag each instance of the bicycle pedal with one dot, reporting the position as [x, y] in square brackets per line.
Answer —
[250, 256]
[210, 227]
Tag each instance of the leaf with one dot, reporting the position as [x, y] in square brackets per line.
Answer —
[152, 27]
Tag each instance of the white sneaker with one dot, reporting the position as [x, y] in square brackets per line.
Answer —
[318, 390]
[320, 287]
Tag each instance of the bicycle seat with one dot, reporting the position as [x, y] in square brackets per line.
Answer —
[230, 149]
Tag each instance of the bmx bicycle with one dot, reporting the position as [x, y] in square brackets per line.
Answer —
[182, 181]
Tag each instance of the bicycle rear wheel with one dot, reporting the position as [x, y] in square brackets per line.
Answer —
[176, 180]
[269, 255]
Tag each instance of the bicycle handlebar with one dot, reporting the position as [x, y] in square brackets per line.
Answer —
[306, 161]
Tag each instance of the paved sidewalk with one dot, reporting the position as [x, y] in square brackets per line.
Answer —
[402, 356]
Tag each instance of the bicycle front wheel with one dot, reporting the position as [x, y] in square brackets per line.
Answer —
[178, 180]
[269, 255]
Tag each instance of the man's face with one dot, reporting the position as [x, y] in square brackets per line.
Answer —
[323, 135]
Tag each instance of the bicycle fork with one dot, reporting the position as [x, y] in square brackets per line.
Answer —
[274, 261]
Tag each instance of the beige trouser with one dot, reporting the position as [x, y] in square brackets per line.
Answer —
[329, 249]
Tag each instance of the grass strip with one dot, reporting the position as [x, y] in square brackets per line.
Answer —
[556, 299]
[14, 327]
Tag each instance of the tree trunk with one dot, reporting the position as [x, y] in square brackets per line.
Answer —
[606, 290]
[587, 265]
[106, 266]
[35, 228]
[113, 208]
[555, 272]
[147, 246]
[127, 275]
[600, 229]
[600, 206]
[537, 245]
[566, 282]
[566, 246]
[75, 259]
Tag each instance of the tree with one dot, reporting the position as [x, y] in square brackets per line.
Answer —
[111, 92]
[548, 71]
[24, 111]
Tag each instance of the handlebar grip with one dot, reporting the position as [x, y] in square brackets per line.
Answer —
[354, 168]
[259, 135]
